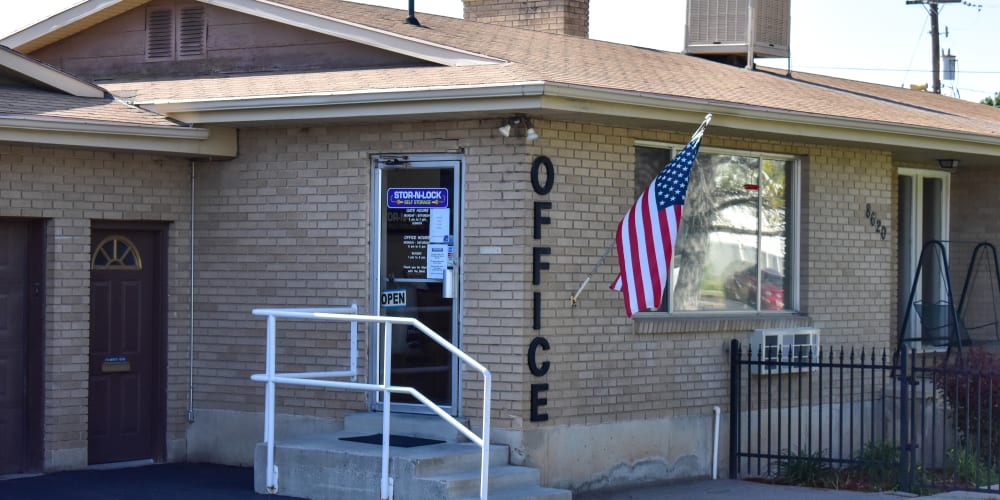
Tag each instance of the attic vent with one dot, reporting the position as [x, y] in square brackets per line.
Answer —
[175, 34]
[191, 32]
[159, 34]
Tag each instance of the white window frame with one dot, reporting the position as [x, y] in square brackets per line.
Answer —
[793, 306]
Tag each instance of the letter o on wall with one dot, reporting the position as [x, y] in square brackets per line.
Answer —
[550, 175]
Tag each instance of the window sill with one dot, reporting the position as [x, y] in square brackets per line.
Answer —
[656, 323]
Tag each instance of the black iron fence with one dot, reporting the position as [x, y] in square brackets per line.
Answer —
[866, 419]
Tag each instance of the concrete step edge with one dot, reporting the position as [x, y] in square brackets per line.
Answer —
[503, 477]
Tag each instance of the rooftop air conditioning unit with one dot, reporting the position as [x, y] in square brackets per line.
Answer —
[784, 350]
[721, 27]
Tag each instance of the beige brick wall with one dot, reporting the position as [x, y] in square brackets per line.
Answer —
[287, 224]
[974, 205]
[603, 370]
[69, 188]
[564, 17]
[848, 270]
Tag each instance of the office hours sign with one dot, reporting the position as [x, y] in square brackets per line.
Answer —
[418, 232]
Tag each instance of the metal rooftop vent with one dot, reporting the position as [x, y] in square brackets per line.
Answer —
[720, 28]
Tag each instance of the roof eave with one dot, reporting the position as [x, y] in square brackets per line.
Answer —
[769, 120]
[25, 39]
[546, 96]
[215, 142]
[48, 76]
[375, 103]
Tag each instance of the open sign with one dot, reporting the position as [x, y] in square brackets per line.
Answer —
[393, 298]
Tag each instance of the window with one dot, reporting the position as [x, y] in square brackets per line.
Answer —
[736, 247]
[116, 253]
[176, 34]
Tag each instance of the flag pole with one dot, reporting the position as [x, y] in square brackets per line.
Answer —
[572, 298]
[607, 251]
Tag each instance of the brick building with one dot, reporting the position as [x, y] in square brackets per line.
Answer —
[250, 156]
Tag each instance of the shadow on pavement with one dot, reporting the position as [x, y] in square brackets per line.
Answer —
[150, 482]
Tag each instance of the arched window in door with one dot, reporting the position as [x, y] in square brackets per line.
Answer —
[116, 253]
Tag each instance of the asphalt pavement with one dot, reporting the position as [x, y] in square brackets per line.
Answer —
[176, 481]
[181, 481]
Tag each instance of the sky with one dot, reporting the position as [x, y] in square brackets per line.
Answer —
[879, 41]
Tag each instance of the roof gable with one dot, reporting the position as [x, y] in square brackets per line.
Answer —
[177, 38]
[92, 12]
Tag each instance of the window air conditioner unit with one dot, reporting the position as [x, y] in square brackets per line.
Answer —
[784, 350]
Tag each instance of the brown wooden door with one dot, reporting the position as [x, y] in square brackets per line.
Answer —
[21, 339]
[124, 352]
[13, 346]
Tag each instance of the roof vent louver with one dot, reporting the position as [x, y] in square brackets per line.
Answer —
[159, 35]
[191, 33]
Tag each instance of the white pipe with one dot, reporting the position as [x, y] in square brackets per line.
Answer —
[715, 445]
[190, 413]
[354, 344]
[386, 412]
[269, 369]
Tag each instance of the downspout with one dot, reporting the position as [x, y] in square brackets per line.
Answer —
[190, 413]
[715, 444]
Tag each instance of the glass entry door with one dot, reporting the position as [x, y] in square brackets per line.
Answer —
[923, 217]
[416, 241]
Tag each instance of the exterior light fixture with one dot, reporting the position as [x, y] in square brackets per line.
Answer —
[516, 121]
[948, 163]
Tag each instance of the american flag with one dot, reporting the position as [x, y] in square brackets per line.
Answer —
[647, 233]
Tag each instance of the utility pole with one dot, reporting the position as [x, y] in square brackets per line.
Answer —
[932, 9]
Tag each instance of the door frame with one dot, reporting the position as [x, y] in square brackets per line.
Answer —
[424, 160]
[914, 225]
[37, 249]
[158, 425]
[34, 368]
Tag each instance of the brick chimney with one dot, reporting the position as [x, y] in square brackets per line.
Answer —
[563, 17]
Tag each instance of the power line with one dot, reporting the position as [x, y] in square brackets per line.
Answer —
[895, 70]
[909, 66]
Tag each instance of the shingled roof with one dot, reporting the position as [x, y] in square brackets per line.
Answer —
[40, 104]
[522, 62]
[31, 89]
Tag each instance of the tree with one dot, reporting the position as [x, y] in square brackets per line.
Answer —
[992, 101]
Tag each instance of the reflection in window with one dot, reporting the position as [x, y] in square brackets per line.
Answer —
[734, 246]
[116, 253]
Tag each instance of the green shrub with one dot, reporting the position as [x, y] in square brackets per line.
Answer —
[968, 467]
[878, 467]
[806, 469]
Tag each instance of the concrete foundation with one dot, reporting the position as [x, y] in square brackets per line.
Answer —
[589, 457]
[229, 437]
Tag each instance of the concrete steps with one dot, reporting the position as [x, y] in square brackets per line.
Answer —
[327, 467]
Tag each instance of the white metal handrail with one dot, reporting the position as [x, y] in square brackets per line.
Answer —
[318, 379]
